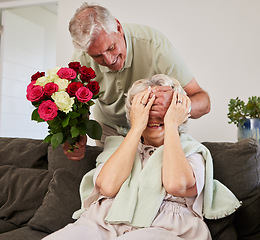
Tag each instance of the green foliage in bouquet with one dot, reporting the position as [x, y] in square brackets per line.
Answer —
[238, 110]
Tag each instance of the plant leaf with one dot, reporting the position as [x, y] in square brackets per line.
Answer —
[56, 139]
[97, 95]
[74, 131]
[35, 116]
[73, 114]
[47, 139]
[82, 129]
[65, 122]
[83, 111]
[94, 129]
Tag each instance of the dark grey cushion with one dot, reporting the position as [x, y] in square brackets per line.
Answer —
[63, 197]
[61, 200]
[23, 152]
[24, 233]
[237, 165]
[22, 191]
[6, 226]
[57, 159]
[247, 219]
[222, 229]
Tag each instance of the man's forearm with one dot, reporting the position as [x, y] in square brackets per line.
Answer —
[200, 104]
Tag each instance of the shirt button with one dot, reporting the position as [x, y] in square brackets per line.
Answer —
[119, 85]
[151, 152]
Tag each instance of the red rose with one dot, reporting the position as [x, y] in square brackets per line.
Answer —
[31, 85]
[73, 87]
[84, 94]
[35, 93]
[50, 88]
[37, 75]
[48, 110]
[67, 73]
[93, 87]
[75, 66]
[86, 74]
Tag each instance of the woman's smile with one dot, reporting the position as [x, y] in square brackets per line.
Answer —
[154, 125]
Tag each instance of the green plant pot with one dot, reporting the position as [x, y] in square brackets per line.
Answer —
[249, 129]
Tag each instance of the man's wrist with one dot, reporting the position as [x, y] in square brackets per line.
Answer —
[189, 110]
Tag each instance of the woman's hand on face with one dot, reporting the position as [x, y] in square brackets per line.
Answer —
[140, 108]
[178, 110]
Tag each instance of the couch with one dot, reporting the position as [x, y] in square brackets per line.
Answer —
[39, 187]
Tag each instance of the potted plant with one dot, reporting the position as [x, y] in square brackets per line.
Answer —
[246, 116]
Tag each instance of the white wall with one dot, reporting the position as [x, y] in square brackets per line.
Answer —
[219, 40]
[28, 45]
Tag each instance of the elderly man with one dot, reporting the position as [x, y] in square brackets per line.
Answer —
[120, 54]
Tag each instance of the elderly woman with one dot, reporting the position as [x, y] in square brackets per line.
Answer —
[148, 185]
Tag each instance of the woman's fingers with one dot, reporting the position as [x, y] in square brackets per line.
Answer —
[146, 96]
[150, 103]
[142, 97]
[178, 110]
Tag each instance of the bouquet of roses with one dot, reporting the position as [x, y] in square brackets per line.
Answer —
[62, 99]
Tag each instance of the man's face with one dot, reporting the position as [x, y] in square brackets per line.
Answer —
[109, 50]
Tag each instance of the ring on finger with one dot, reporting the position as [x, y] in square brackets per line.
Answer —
[179, 101]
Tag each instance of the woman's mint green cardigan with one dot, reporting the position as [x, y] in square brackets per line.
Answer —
[141, 195]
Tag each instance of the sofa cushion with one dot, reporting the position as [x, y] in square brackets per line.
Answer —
[237, 165]
[6, 226]
[22, 191]
[23, 152]
[25, 233]
[57, 159]
[61, 200]
[247, 219]
[63, 197]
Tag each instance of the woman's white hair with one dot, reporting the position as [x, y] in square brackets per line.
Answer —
[88, 22]
[156, 80]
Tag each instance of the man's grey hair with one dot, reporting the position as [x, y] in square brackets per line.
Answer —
[87, 23]
[155, 80]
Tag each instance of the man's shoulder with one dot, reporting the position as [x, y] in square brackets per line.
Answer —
[140, 31]
[137, 26]
[83, 58]
[77, 55]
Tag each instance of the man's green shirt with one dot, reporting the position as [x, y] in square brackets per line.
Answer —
[149, 52]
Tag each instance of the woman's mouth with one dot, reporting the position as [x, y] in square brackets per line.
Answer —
[154, 125]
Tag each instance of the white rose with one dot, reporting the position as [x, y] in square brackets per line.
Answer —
[41, 81]
[62, 83]
[52, 73]
[63, 101]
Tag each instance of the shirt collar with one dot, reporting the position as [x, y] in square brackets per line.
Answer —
[129, 47]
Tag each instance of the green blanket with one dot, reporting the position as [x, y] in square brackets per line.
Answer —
[141, 195]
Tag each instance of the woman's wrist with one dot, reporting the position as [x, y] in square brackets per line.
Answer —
[171, 125]
[135, 131]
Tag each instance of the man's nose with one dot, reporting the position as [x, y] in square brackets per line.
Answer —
[108, 58]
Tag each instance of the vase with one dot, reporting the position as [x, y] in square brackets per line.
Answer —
[249, 129]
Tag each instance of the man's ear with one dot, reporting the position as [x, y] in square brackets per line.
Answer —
[119, 27]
